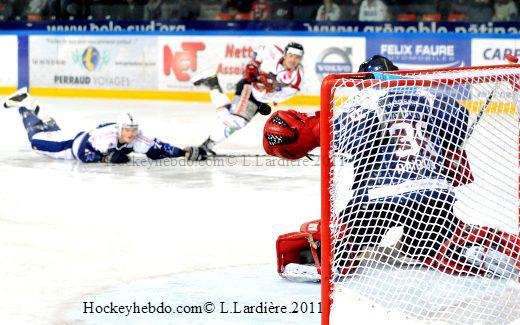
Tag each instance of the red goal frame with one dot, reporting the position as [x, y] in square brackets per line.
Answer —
[327, 95]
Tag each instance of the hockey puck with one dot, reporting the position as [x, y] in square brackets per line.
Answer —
[264, 109]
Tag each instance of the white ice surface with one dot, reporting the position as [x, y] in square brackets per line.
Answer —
[70, 231]
[225, 296]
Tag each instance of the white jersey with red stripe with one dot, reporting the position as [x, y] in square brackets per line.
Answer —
[270, 61]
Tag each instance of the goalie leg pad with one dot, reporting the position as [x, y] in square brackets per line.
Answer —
[242, 105]
[298, 248]
[480, 251]
[289, 247]
[300, 273]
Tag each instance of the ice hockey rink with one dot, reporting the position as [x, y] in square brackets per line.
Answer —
[167, 232]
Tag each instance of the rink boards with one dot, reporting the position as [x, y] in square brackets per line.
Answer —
[160, 65]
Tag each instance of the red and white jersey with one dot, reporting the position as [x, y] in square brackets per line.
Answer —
[270, 61]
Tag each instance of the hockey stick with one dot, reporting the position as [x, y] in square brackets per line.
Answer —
[511, 59]
[246, 155]
[481, 112]
[310, 156]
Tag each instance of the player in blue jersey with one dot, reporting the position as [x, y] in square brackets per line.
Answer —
[108, 142]
[400, 146]
[406, 145]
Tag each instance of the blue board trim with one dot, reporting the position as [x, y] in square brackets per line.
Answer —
[23, 61]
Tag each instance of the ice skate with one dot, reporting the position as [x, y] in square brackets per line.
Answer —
[21, 98]
[207, 78]
[208, 146]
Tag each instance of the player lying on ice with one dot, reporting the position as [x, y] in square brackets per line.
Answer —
[273, 76]
[109, 142]
[415, 203]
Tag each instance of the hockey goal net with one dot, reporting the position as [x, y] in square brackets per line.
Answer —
[420, 196]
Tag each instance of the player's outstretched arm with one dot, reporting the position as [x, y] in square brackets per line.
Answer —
[161, 150]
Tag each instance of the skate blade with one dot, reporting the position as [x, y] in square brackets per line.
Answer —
[8, 101]
[199, 77]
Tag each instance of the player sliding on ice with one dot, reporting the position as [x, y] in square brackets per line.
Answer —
[407, 149]
[273, 76]
[109, 142]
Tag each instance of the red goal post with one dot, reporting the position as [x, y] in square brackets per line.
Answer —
[415, 78]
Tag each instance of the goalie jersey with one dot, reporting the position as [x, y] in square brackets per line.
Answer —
[398, 140]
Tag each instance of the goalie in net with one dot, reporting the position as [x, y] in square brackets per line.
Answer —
[408, 156]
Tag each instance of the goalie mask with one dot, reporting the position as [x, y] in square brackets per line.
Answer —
[377, 63]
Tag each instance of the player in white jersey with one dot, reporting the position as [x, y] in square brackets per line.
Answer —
[273, 76]
[109, 142]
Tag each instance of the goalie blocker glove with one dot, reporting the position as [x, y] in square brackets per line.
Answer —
[291, 135]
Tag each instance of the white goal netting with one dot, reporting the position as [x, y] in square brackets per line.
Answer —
[424, 194]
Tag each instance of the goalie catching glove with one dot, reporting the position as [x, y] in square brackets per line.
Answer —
[291, 134]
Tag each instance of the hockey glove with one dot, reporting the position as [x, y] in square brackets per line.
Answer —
[116, 157]
[459, 170]
[90, 157]
[196, 153]
[252, 72]
[268, 82]
[291, 135]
